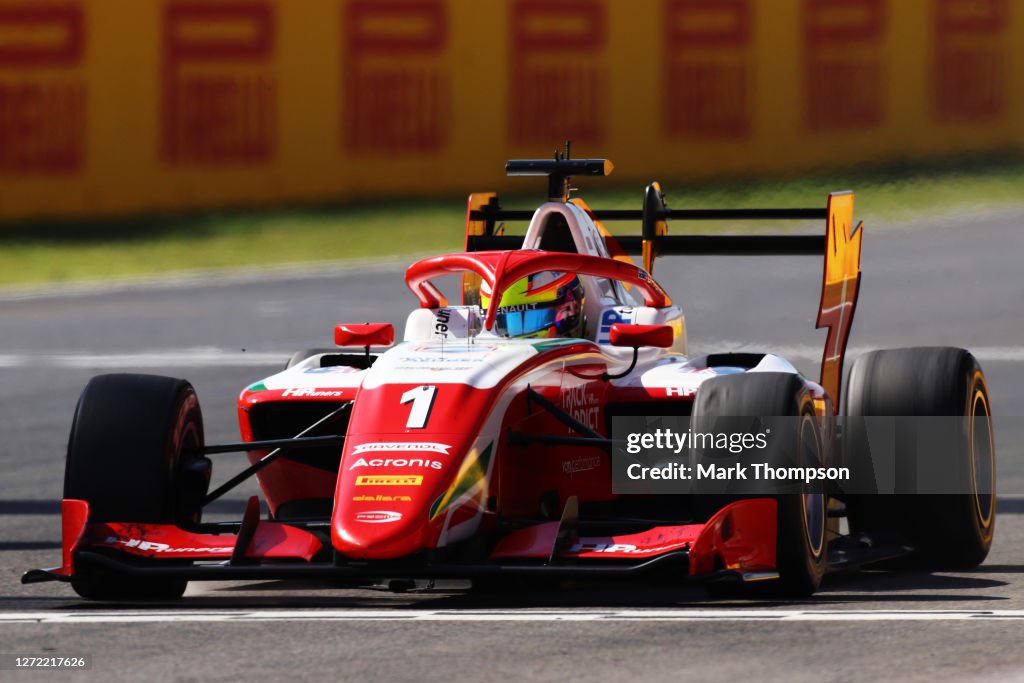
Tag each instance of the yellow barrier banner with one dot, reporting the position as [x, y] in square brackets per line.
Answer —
[112, 107]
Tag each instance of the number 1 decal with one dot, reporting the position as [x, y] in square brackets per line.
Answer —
[422, 399]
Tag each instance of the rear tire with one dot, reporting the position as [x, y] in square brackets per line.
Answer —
[803, 524]
[134, 456]
[947, 531]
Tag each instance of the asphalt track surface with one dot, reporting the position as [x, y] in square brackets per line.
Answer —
[953, 281]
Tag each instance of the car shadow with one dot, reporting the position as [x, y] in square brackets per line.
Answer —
[888, 588]
[883, 581]
[999, 569]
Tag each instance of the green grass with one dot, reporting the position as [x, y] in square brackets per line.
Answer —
[58, 252]
[236, 239]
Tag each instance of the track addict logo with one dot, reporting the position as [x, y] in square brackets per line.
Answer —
[580, 402]
[152, 546]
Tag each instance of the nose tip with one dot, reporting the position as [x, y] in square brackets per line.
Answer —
[376, 532]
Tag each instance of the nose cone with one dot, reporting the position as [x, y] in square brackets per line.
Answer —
[382, 506]
[410, 468]
[385, 516]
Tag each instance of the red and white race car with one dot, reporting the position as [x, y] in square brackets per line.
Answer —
[480, 445]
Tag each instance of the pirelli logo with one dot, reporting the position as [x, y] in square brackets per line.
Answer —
[397, 480]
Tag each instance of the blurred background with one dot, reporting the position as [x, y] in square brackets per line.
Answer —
[166, 135]
[299, 140]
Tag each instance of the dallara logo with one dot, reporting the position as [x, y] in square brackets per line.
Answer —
[396, 480]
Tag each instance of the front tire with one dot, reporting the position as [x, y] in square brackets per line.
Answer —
[134, 454]
[803, 524]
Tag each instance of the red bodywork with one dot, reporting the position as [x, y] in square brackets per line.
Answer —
[402, 489]
[467, 478]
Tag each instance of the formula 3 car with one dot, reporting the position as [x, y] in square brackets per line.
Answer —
[471, 450]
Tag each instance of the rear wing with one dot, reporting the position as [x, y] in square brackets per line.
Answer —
[655, 241]
[839, 243]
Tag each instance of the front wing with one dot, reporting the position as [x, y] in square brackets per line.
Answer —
[737, 543]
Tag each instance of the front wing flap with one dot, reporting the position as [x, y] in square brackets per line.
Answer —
[740, 537]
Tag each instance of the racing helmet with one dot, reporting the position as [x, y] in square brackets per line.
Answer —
[542, 305]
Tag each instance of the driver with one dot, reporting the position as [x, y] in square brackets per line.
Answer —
[542, 306]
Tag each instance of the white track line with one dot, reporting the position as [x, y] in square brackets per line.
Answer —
[214, 357]
[121, 617]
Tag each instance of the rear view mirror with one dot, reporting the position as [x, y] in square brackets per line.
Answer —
[635, 336]
[366, 334]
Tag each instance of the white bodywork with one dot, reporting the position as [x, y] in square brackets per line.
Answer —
[447, 344]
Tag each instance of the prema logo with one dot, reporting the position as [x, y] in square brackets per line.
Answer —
[397, 462]
[378, 516]
[397, 480]
[411, 446]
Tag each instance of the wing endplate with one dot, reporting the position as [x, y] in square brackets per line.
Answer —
[839, 289]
